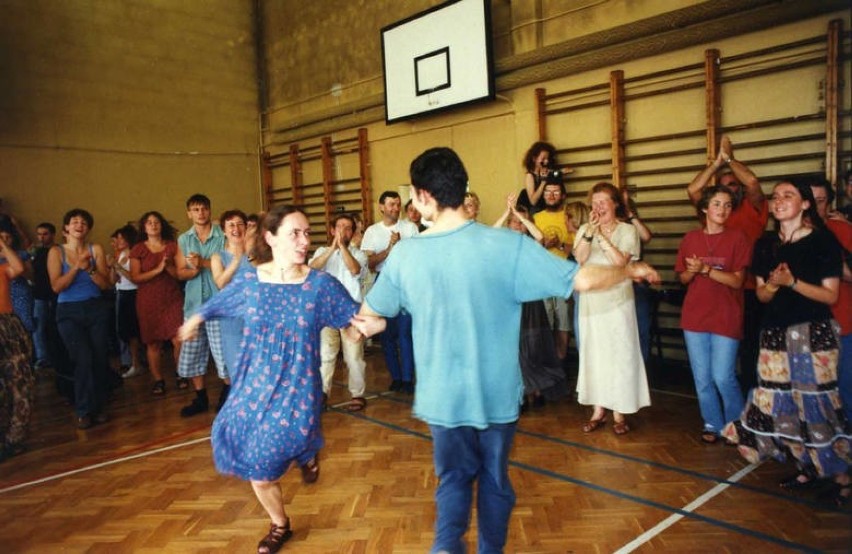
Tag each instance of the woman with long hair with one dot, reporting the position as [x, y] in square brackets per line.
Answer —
[796, 409]
[711, 263]
[159, 299]
[272, 417]
[539, 160]
[611, 373]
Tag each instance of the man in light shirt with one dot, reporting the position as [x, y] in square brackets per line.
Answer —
[347, 264]
[379, 239]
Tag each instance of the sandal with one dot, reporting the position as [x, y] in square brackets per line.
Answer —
[310, 471]
[709, 437]
[620, 427]
[357, 404]
[594, 424]
[159, 388]
[275, 539]
[182, 383]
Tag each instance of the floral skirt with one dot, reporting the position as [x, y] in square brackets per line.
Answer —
[16, 381]
[796, 408]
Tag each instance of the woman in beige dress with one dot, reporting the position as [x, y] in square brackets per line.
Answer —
[612, 373]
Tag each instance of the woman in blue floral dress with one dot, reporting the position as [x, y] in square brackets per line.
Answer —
[271, 419]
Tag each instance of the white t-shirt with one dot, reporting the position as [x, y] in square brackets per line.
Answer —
[123, 282]
[377, 236]
[336, 267]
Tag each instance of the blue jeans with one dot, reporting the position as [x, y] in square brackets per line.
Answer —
[713, 360]
[844, 375]
[463, 455]
[398, 348]
[41, 311]
[84, 327]
[643, 296]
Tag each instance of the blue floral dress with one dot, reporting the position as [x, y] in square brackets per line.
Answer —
[272, 416]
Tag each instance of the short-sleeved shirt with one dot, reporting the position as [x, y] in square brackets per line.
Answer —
[377, 236]
[464, 289]
[552, 224]
[710, 306]
[202, 286]
[336, 267]
[811, 259]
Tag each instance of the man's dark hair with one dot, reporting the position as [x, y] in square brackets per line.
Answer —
[198, 199]
[818, 181]
[51, 228]
[387, 194]
[441, 173]
[79, 212]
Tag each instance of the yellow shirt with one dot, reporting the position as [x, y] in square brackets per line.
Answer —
[552, 224]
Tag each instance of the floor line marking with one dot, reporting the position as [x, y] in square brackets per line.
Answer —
[102, 464]
[692, 506]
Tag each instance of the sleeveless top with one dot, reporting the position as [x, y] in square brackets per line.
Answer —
[82, 287]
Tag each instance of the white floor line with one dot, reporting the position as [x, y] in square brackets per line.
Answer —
[103, 464]
[678, 394]
[692, 506]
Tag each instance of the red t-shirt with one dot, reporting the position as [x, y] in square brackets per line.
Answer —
[5, 293]
[710, 306]
[841, 310]
[752, 222]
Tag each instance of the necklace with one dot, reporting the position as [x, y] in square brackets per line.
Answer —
[788, 240]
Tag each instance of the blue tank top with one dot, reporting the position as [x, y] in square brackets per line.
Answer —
[82, 287]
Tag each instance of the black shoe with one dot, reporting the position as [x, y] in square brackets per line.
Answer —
[538, 402]
[805, 479]
[84, 422]
[100, 417]
[223, 396]
[407, 387]
[199, 405]
[395, 386]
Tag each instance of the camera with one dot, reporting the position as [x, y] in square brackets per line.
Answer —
[554, 177]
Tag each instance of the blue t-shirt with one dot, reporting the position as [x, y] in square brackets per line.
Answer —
[464, 289]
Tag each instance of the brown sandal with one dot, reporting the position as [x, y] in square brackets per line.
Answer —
[620, 427]
[594, 424]
[357, 404]
[310, 471]
[275, 539]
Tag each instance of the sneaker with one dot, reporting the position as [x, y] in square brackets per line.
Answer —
[132, 372]
[199, 405]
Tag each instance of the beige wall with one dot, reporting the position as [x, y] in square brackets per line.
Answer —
[492, 138]
[125, 106]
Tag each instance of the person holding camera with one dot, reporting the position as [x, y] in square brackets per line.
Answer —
[538, 162]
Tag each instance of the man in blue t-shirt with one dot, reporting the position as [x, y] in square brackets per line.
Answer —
[463, 284]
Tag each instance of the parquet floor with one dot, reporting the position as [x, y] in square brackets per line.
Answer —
[144, 482]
